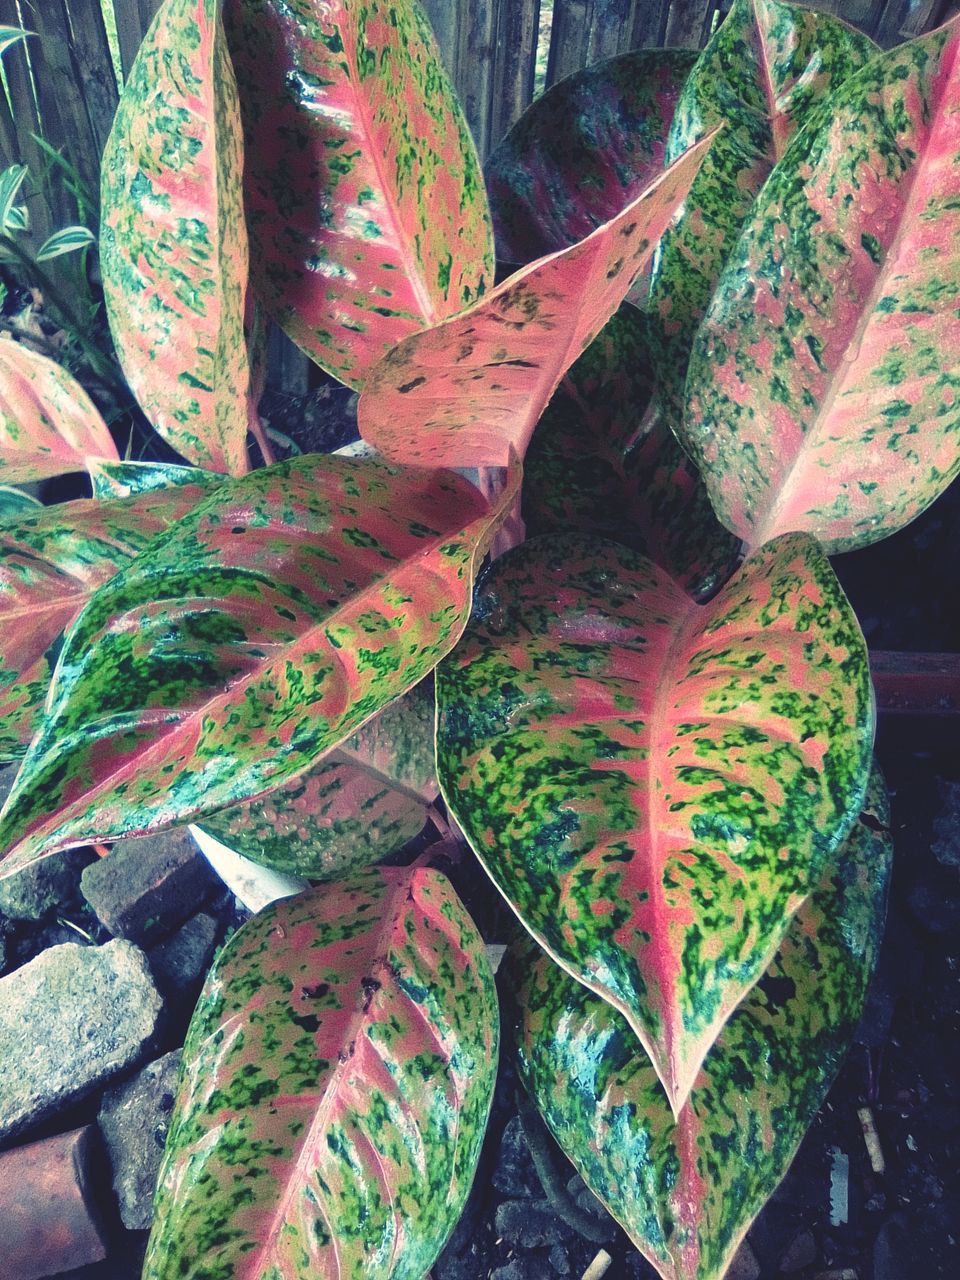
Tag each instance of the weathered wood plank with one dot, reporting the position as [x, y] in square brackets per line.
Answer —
[586, 31]
[473, 70]
[94, 65]
[517, 24]
[27, 123]
[133, 18]
[688, 24]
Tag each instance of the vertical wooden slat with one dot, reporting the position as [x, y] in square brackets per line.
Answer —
[445, 19]
[27, 123]
[133, 19]
[94, 65]
[516, 24]
[650, 24]
[473, 72]
[586, 31]
[689, 23]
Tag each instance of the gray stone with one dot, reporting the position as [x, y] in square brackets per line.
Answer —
[946, 826]
[69, 1020]
[180, 964]
[515, 1174]
[800, 1253]
[46, 886]
[744, 1265]
[525, 1224]
[133, 1120]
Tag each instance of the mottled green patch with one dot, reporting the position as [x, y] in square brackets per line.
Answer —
[654, 784]
[686, 1188]
[336, 1083]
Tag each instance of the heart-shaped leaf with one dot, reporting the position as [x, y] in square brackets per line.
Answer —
[469, 391]
[656, 785]
[582, 151]
[365, 200]
[173, 245]
[597, 465]
[765, 68]
[687, 1189]
[337, 1079]
[48, 423]
[824, 381]
[361, 803]
[51, 562]
[254, 635]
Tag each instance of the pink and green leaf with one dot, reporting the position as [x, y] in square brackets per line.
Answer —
[264, 627]
[596, 464]
[824, 389]
[760, 76]
[687, 1188]
[365, 200]
[52, 560]
[468, 392]
[337, 1079]
[173, 244]
[48, 423]
[584, 150]
[656, 785]
[362, 802]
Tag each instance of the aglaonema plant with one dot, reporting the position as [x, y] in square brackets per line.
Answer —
[729, 350]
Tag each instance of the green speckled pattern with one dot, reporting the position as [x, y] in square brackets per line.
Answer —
[470, 391]
[365, 200]
[125, 479]
[336, 1084]
[48, 423]
[173, 244]
[596, 466]
[653, 784]
[16, 502]
[261, 630]
[687, 1189]
[824, 388]
[52, 559]
[760, 75]
[361, 803]
[582, 151]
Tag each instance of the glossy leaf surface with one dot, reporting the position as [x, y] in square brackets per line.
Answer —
[51, 562]
[16, 502]
[468, 391]
[48, 423]
[595, 465]
[823, 391]
[653, 784]
[365, 199]
[361, 803]
[261, 630]
[583, 151]
[687, 1189]
[126, 479]
[173, 245]
[764, 70]
[337, 1079]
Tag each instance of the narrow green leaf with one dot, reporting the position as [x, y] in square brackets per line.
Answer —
[366, 205]
[11, 180]
[824, 383]
[52, 559]
[9, 36]
[173, 245]
[337, 1079]
[15, 503]
[66, 241]
[48, 423]
[764, 70]
[263, 628]
[361, 803]
[583, 151]
[656, 785]
[686, 1189]
[598, 464]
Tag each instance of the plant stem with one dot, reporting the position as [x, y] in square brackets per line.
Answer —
[255, 427]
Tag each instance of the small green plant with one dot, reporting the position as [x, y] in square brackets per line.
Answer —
[654, 720]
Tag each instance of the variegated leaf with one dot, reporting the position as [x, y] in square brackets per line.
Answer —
[361, 803]
[823, 390]
[597, 465]
[68, 240]
[15, 503]
[48, 423]
[365, 199]
[51, 562]
[10, 36]
[656, 785]
[11, 180]
[686, 1189]
[764, 70]
[261, 630]
[173, 245]
[126, 479]
[582, 151]
[469, 391]
[337, 1079]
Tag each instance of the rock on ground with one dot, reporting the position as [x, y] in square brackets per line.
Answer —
[69, 1020]
[133, 1120]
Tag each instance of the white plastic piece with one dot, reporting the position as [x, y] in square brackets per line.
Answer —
[255, 886]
